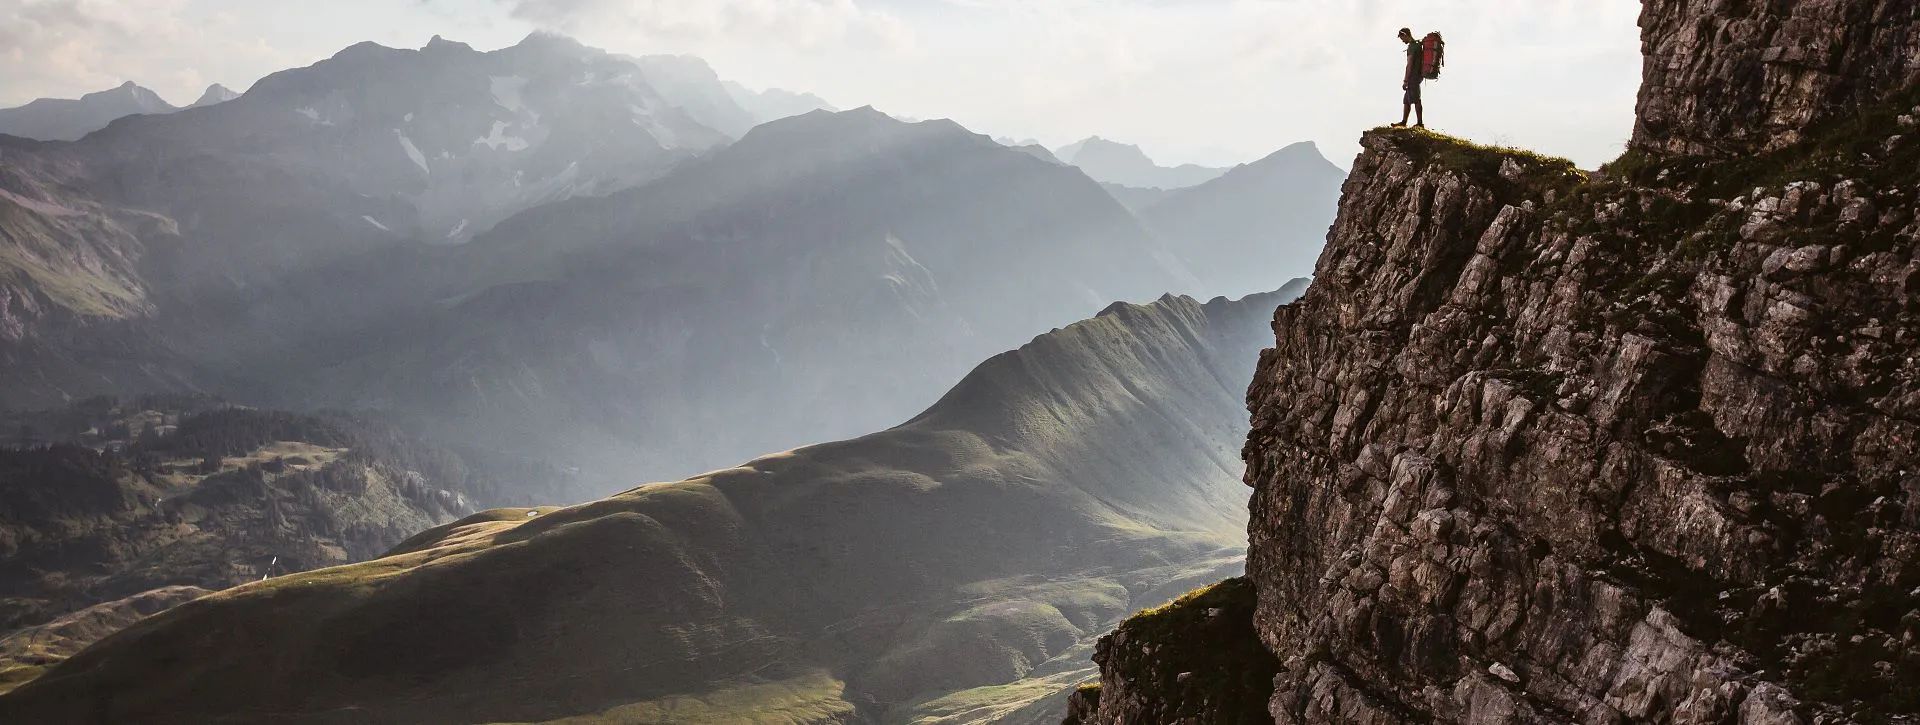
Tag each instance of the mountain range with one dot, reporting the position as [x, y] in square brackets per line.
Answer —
[437, 281]
[546, 250]
[67, 119]
[951, 568]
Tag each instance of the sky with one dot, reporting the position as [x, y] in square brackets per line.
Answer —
[1215, 82]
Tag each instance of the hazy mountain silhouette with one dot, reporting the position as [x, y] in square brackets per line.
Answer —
[1259, 221]
[1117, 163]
[215, 93]
[775, 103]
[826, 274]
[730, 108]
[654, 301]
[632, 270]
[66, 119]
[318, 173]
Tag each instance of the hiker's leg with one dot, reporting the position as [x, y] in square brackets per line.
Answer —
[1406, 111]
[1420, 113]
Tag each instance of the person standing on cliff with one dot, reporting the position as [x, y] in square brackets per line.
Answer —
[1410, 83]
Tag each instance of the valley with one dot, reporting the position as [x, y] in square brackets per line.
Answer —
[953, 567]
[323, 341]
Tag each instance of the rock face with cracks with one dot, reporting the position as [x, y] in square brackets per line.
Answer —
[1638, 446]
[1732, 76]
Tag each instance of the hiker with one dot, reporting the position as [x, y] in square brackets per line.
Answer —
[1410, 82]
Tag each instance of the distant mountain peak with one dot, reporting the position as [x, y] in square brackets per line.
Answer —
[1301, 154]
[440, 44]
[140, 94]
[858, 126]
[1097, 145]
[548, 37]
[215, 93]
[773, 103]
[1125, 164]
[68, 119]
[362, 49]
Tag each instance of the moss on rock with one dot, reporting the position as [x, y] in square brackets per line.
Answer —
[1195, 659]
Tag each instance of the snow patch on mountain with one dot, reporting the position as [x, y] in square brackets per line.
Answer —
[413, 152]
[498, 138]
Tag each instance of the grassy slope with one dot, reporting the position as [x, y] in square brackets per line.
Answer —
[74, 254]
[27, 653]
[964, 548]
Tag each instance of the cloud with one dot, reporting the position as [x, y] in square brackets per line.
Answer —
[63, 48]
[685, 25]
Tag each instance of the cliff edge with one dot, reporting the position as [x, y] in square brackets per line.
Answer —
[1635, 446]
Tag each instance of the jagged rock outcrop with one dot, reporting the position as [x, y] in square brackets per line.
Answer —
[1730, 76]
[1195, 660]
[1638, 447]
[1629, 458]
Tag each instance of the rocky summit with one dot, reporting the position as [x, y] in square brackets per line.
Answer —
[1630, 446]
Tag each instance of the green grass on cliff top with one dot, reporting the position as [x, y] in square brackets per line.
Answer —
[1215, 594]
[1537, 173]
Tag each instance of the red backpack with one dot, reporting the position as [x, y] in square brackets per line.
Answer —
[1433, 55]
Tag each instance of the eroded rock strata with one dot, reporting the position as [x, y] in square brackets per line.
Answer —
[1635, 446]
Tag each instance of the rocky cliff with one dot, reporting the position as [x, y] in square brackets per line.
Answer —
[1630, 447]
[1727, 76]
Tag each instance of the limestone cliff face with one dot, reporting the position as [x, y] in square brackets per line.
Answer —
[1641, 446]
[1727, 76]
[1591, 462]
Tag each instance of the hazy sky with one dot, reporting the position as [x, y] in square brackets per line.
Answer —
[1210, 81]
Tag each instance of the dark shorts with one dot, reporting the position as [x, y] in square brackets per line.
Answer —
[1412, 95]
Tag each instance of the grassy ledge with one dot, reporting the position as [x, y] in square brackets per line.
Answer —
[1518, 172]
[1196, 657]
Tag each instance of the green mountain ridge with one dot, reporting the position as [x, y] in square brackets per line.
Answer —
[924, 571]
